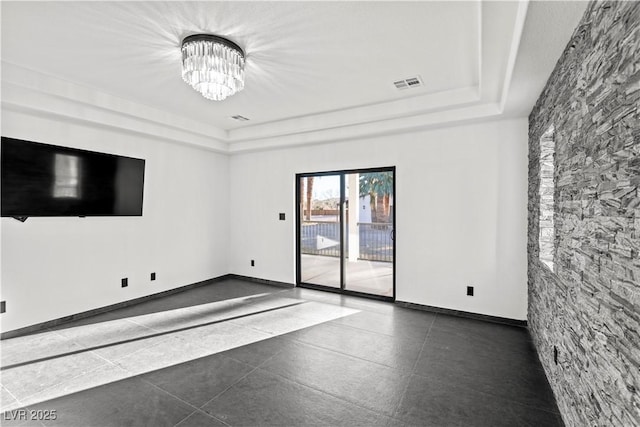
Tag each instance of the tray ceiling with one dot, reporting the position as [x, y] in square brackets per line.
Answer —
[316, 71]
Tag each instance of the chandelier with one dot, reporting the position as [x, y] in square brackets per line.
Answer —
[212, 65]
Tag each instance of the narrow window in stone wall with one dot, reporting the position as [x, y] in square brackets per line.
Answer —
[545, 221]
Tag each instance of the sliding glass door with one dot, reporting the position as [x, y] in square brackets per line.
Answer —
[346, 231]
[320, 233]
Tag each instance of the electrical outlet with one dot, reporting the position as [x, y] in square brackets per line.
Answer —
[555, 354]
[470, 291]
[3, 306]
[125, 282]
[153, 276]
[253, 263]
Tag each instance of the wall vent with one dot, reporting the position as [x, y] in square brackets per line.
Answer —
[409, 82]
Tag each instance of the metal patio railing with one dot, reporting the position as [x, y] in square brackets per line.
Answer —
[323, 238]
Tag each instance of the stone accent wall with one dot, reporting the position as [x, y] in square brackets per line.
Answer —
[589, 307]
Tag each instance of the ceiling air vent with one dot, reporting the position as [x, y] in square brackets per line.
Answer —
[240, 118]
[407, 83]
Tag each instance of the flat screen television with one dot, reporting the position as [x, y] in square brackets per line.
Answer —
[48, 180]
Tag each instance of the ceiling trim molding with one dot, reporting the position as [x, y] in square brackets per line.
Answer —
[32, 101]
[30, 91]
[36, 81]
[405, 107]
[479, 47]
[521, 17]
[205, 144]
[386, 127]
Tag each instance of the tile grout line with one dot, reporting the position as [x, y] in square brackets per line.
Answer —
[424, 343]
[335, 322]
[109, 361]
[343, 398]
[25, 400]
[196, 409]
[132, 373]
[260, 367]
[415, 364]
[106, 362]
[9, 391]
[356, 305]
[116, 360]
[475, 390]
[143, 326]
[324, 392]
[306, 319]
[199, 409]
[18, 401]
[164, 333]
[61, 383]
[312, 345]
[241, 378]
[298, 341]
[22, 403]
[139, 376]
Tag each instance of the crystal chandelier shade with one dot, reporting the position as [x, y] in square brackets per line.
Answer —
[212, 65]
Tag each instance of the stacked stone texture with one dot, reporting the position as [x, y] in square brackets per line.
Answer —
[589, 307]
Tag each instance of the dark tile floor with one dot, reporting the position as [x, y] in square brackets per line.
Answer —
[241, 354]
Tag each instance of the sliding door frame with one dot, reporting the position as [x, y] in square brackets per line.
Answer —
[341, 290]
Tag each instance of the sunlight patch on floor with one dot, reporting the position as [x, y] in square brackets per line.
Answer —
[51, 364]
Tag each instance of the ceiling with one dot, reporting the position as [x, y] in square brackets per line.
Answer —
[316, 71]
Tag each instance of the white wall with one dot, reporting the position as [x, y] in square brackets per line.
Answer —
[461, 205]
[54, 267]
[461, 220]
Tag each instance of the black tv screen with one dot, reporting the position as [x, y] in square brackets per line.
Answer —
[48, 180]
